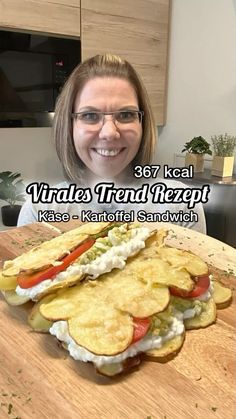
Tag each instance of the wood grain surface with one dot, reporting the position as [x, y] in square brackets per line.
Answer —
[39, 380]
[137, 30]
[57, 17]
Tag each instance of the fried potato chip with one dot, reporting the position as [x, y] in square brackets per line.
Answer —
[13, 299]
[121, 289]
[152, 244]
[7, 282]
[170, 347]
[143, 303]
[221, 295]
[36, 320]
[70, 301]
[49, 252]
[126, 292]
[206, 318]
[158, 271]
[92, 228]
[183, 259]
[102, 330]
[68, 282]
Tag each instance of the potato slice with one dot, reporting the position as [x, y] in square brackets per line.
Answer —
[43, 256]
[109, 370]
[13, 299]
[62, 307]
[183, 259]
[120, 289]
[49, 252]
[221, 295]
[36, 320]
[68, 282]
[152, 243]
[170, 347]
[158, 271]
[102, 329]
[207, 316]
[7, 282]
[143, 302]
[68, 302]
[59, 308]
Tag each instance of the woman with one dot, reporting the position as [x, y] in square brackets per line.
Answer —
[103, 128]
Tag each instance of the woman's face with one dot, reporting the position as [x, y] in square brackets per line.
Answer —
[109, 147]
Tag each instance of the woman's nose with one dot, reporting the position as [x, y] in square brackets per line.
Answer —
[109, 130]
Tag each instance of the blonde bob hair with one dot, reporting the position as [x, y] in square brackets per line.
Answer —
[106, 65]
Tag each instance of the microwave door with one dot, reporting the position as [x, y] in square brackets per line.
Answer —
[30, 76]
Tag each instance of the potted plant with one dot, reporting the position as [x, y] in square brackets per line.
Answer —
[196, 148]
[11, 191]
[223, 159]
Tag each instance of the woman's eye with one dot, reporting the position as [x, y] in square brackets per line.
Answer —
[91, 117]
[126, 116]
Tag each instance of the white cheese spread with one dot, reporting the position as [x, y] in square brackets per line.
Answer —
[60, 330]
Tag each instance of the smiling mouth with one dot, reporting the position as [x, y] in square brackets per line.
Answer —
[108, 153]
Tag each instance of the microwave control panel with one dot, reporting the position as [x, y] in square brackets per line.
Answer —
[61, 71]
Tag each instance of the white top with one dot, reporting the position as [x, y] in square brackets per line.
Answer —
[29, 211]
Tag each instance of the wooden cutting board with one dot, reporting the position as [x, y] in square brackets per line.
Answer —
[39, 380]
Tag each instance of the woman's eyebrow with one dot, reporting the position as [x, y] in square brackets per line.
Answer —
[88, 108]
[130, 107]
[93, 108]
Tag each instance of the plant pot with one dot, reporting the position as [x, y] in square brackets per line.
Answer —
[197, 160]
[10, 214]
[222, 166]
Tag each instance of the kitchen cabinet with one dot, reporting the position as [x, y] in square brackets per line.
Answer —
[137, 31]
[56, 17]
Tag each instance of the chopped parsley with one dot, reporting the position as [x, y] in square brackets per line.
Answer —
[230, 271]
[10, 407]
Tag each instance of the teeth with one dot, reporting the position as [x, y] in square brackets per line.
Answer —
[104, 152]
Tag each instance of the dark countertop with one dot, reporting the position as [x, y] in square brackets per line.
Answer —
[220, 209]
[206, 177]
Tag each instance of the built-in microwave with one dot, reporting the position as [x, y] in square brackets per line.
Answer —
[33, 69]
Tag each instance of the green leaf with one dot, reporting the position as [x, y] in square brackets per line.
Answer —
[198, 145]
[11, 189]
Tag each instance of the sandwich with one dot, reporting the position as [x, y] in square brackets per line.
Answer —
[144, 308]
[91, 249]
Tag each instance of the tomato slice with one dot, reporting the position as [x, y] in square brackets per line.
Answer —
[141, 327]
[202, 284]
[28, 281]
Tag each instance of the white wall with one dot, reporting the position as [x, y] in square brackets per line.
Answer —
[31, 152]
[202, 74]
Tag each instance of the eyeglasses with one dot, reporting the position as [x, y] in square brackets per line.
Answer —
[95, 119]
